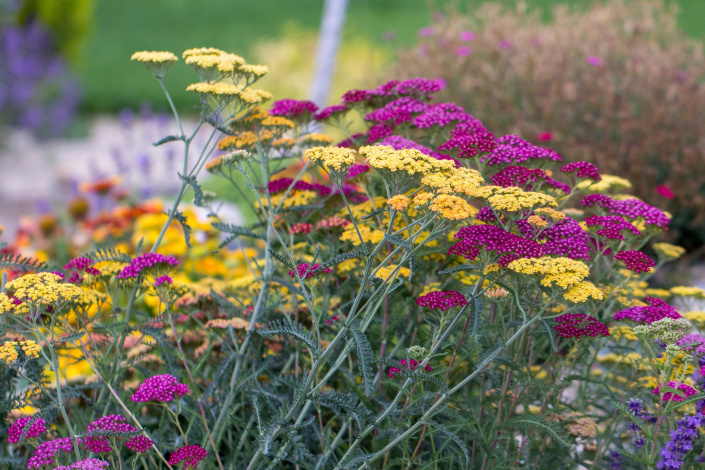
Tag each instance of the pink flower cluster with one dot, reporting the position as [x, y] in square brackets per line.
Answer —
[687, 390]
[357, 169]
[302, 269]
[655, 311]
[332, 222]
[293, 109]
[300, 227]
[442, 300]
[583, 169]
[110, 424]
[415, 87]
[139, 444]
[330, 111]
[636, 261]
[146, 261]
[46, 451]
[351, 141]
[576, 325]
[699, 344]
[37, 428]
[398, 111]
[491, 238]
[513, 149]
[282, 184]
[566, 238]
[82, 264]
[629, 208]
[469, 141]
[86, 464]
[161, 388]
[163, 280]
[190, 455]
[410, 364]
[523, 177]
[612, 225]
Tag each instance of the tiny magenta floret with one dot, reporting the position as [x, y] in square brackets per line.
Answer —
[160, 388]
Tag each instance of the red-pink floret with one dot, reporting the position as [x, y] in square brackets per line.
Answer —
[657, 310]
[442, 300]
[46, 451]
[636, 261]
[583, 169]
[139, 444]
[687, 390]
[576, 325]
[160, 388]
[190, 455]
[312, 271]
[37, 428]
[145, 261]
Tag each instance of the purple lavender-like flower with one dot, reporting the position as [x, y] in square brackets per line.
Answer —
[615, 460]
[139, 444]
[681, 443]
[628, 208]
[656, 310]
[146, 261]
[612, 225]
[330, 111]
[583, 170]
[636, 408]
[491, 238]
[190, 455]
[293, 109]
[46, 451]
[37, 428]
[442, 300]
[513, 149]
[160, 388]
[636, 261]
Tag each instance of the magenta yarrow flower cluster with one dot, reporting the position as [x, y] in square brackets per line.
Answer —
[655, 311]
[410, 364]
[293, 109]
[37, 428]
[442, 300]
[330, 112]
[582, 170]
[513, 149]
[139, 444]
[491, 238]
[695, 342]
[304, 269]
[160, 388]
[612, 226]
[636, 261]
[524, 177]
[86, 464]
[282, 184]
[577, 325]
[110, 424]
[357, 169]
[687, 390]
[81, 264]
[163, 280]
[191, 456]
[565, 238]
[332, 222]
[300, 228]
[629, 208]
[46, 451]
[146, 261]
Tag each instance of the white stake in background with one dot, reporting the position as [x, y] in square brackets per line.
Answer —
[332, 24]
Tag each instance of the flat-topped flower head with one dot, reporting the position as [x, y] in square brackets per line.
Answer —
[583, 291]
[512, 149]
[452, 207]
[309, 270]
[330, 113]
[668, 251]
[17, 429]
[147, 262]
[294, 109]
[398, 202]
[636, 261]
[210, 65]
[458, 180]
[577, 325]
[526, 178]
[564, 272]
[191, 456]
[82, 264]
[475, 238]
[513, 198]
[442, 300]
[316, 139]
[160, 388]
[655, 311]
[687, 390]
[629, 209]
[582, 170]
[86, 464]
[30, 290]
[252, 71]
[332, 158]
[411, 161]
[100, 444]
[669, 330]
[46, 452]
[157, 62]
[612, 226]
[139, 444]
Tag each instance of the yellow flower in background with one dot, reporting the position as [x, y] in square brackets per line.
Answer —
[565, 272]
[581, 291]
[552, 213]
[618, 332]
[696, 317]
[316, 139]
[30, 348]
[8, 352]
[385, 271]
[368, 235]
[398, 202]
[668, 251]
[688, 291]
[452, 207]
[608, 183]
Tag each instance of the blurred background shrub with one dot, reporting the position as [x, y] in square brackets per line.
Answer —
[617, 84]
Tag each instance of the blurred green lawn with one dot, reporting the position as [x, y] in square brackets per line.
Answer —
[111, 82]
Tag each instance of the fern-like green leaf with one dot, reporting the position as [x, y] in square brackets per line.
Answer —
[20, 263]
[531, 422]
[365, 358]
[458, 441]
[295, 330]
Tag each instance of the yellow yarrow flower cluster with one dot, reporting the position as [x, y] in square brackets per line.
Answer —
[536, 221]
[278, 122]
[222, 62]
[626, 332]
[565, 272]
[696, 317]
[552, 213]
[513, 198]
[669, 251]
[398, 202]
[607, 183]
[8, 352]
[581, 291]
[452, 207]
[422, 199]
[412, 161]
[386, 271]
[30, 348]
[457, 180]
[227, 92]
[157, 62]
[688, 291]
[368, 235]
[32, 289]
[334, 158]
[316, 139]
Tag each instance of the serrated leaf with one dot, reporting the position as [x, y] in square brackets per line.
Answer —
[637, 458]
[20, 263]
[169, 138]
[487, 356]
[198, 196]
[373, 213]
[341, 257]
[236, 231]
[181, 219]
[458, 441]
[295, 330]
[281, 259]
[551, 335]
[365, 358]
